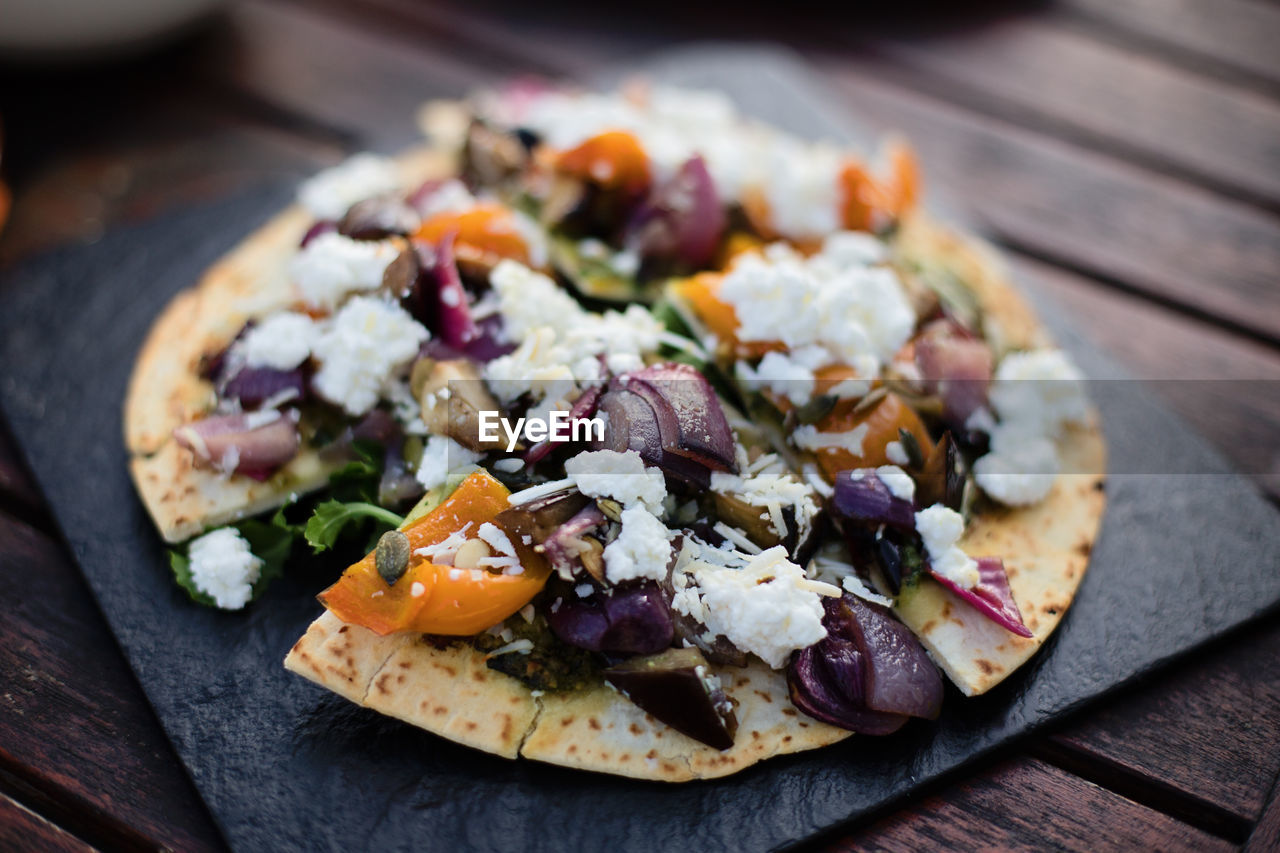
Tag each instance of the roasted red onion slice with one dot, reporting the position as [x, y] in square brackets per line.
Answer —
[955, 365]
[324, 226]
[992, 597]
[681, 221]
[254, 386]
[632, 620]
[252, 442]
[632, 424]
[868, 675]
[583, 407]
[456, 327]
[863, 497]
[378, 218]
[691, 421]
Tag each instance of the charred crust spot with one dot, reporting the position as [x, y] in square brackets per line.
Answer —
[506, 725]
[404, 664]
[440, 710]
[566, 721]
[987, 667]
[668, 767]
[453, 673]
[1085, 548]
[626, 756]
[343, 629]
[946, 610]
[741, 682]
[593, 723]
[400, 679]
[1100, 486]
[635, 729]
[755, 735]
[471, 725]
[381, 683]
[765, 696]
[651, 754]
[786, 738]
[477, 675]
[927, 628]
[573, 747]
[790, 712]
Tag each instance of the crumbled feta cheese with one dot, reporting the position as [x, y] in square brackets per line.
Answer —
[1037, 394]
[896, 453]
[642, 549]
[281, 341]
[440, 455]
[509, 465]
[621, 476]
[328, 194]
[940, 528]
[859, 313]
[223, 567]
[1020, 470]
[360, 348]
[560, 342]
[899, 482]
[789, 375]
[763, 608]
[1041, 387]
[802, 188]
[331, 266]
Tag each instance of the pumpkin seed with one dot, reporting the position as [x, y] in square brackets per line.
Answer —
[915, 457]
[392, 556]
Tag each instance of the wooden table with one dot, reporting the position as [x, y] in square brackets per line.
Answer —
[1126, 154]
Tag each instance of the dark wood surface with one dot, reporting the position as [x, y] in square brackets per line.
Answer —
[1122, 152]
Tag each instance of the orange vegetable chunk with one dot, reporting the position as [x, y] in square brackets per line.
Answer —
[455, 602]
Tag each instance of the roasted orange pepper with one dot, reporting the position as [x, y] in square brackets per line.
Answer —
[883, 422]
[614, 159]
[455, 602]
[485, 234]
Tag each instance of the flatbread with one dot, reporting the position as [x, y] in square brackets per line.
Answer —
[1046, 546]
[453, 693]
[166, 391]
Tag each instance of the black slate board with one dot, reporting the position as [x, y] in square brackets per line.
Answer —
[1182, 558]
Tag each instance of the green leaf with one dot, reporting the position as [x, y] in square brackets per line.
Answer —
[182, 573]
[358, 479]
[332, 517]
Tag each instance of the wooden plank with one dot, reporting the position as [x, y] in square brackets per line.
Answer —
[1227, 387]
[285, 56]
[1234, 34]
[1026, 805]
[1036, 72]
[1197, 741]
[74, 728]
[23, 829]
[1265, 837]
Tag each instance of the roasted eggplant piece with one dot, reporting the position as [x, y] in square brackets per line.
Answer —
[539, 519]
[678, 688]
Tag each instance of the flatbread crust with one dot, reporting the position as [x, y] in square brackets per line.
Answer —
[452, 692]
[166, 391]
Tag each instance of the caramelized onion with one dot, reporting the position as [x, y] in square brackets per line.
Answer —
[241, 442]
